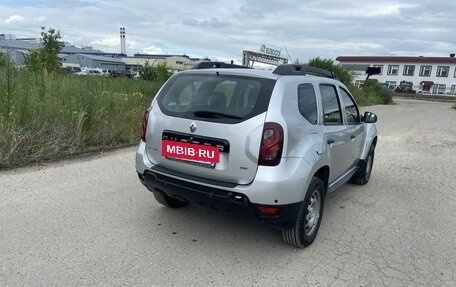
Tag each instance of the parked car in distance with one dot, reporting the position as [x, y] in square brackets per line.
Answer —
[266, 144]
[71, 69]
[84, 71]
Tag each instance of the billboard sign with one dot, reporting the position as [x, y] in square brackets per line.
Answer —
[269, 50]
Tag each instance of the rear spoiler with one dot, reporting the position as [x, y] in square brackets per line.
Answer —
[211, 65]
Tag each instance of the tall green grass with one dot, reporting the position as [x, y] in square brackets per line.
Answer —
[46, 116]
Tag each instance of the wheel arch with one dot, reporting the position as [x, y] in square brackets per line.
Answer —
[374, 142]
[323, 174]
[370, 140]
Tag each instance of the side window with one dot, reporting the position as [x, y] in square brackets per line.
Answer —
[351, 111]
[331, 107]
[307, 103]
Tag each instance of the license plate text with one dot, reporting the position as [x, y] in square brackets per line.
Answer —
[189, 151]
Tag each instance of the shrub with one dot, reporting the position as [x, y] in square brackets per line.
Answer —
[158, 72]
[4, 59]
[371, 95]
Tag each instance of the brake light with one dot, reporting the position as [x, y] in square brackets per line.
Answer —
[271, 144]
[144, 122]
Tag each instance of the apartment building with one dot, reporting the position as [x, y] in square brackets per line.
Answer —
[428, 75]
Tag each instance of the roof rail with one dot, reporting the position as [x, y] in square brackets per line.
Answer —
[210, 65]
[302, 70]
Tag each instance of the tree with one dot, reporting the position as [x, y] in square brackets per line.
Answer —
[46, 57]
[328, 64]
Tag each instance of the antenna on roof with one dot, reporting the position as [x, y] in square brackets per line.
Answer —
[289, 57]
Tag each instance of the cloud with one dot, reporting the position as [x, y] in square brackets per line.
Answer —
[211, 22]
[202, 28]
[366, 10]
[14, 18]
[40, 18]
[152, 50]
[110, 42]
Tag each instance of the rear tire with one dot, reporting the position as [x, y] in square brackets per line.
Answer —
[308, 220]
[167, 201]
[362, 176]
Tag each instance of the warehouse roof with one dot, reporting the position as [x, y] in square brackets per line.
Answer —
[396, 59]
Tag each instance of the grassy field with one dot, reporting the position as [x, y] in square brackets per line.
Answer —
[50, 116]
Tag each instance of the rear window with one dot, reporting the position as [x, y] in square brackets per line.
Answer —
[215, 97]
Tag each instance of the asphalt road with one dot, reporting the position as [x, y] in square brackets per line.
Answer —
[89, 222]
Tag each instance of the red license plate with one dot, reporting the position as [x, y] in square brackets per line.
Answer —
[190, 152]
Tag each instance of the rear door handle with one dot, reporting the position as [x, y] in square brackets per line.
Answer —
[330, 141]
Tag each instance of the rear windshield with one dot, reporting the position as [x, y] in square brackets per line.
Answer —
[215, 97]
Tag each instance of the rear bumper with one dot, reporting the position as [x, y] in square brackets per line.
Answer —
[216, 199]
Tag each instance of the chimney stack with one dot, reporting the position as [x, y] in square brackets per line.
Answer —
[123, 48]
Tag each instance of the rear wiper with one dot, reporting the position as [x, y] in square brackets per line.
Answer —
[212, 114]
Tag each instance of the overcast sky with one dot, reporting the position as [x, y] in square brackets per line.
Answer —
[221, 29]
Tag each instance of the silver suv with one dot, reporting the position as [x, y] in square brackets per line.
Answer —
[269, 145]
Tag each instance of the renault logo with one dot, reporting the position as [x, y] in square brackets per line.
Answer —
[193, 127]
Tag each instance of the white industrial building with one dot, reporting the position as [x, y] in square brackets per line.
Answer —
[95, 62]
[432, 75]
[176, 63]
[17, 48]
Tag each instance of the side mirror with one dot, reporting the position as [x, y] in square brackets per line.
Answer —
[369, 118]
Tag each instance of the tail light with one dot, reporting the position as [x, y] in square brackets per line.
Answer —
[271, 144]
[144, 121]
